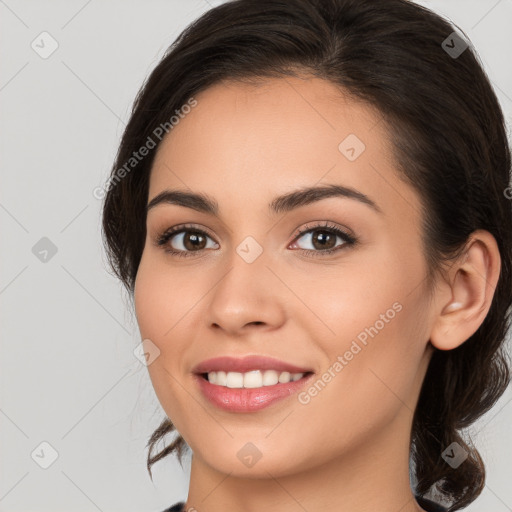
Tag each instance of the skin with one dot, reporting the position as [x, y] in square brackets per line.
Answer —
[348, 448]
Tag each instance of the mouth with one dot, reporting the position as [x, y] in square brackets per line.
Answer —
[241, 399]
[268, 378]
[246, 364]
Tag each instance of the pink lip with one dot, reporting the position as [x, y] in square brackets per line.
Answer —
[248, 399]
[246, 364]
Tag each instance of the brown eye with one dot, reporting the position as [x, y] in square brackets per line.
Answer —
[193, 240]
[323, 238]
[184, 242]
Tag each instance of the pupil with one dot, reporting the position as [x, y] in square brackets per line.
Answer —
[192, 241]
[322, 236]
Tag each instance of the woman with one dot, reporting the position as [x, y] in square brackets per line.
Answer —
[309, 208]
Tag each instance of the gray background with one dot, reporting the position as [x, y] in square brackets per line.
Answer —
[68, 373]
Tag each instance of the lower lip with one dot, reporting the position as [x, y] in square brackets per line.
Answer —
[249, 399]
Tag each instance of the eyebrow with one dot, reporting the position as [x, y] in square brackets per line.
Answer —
[284, 203]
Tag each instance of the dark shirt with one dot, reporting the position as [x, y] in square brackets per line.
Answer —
[425, 504]
[178, 507]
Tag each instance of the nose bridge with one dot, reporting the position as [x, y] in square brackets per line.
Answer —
[250, 242]
[250, 250]
[247, 264]
[246, 292]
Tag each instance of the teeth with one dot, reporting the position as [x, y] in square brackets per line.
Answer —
[252, 379]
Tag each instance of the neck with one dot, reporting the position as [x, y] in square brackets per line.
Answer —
[373, 475]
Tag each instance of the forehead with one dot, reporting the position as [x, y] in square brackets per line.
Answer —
[244, 143]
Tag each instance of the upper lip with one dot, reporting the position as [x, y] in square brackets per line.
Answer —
[246, 364]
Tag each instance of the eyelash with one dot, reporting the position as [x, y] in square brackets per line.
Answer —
[349, 240]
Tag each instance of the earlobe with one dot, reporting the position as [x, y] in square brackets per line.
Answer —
[472, 283]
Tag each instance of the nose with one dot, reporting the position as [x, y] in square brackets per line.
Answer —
[247, 296]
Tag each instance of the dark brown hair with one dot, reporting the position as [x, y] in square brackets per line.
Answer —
[449, 142]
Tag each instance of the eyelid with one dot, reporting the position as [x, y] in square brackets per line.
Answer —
[327, 224]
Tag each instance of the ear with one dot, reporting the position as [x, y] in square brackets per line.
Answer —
[464, 301]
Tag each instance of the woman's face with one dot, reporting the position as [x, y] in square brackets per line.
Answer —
[358, 317]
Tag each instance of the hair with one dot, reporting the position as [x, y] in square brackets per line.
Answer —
[449, 142]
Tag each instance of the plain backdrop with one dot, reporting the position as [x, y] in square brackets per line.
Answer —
[77, 407]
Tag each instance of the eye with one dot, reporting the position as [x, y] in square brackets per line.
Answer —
[190, 240]
[324, 236]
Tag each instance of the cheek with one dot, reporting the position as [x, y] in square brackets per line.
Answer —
[345, 299]
[167, 302]
[162, 298]
[159, 306]
[376, 322]
[157, 315]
